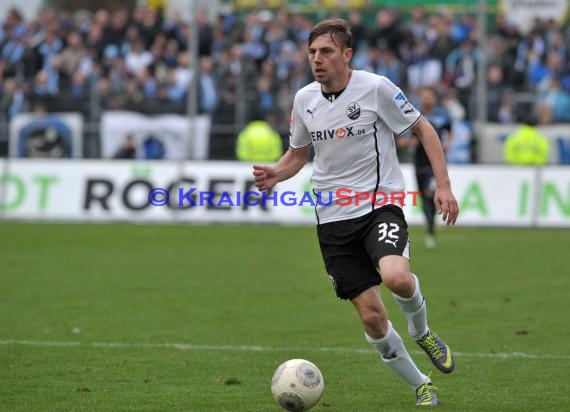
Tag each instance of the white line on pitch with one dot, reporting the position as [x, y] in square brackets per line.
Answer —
[253, 348]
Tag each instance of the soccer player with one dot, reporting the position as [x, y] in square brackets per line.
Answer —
[348, 117]
[441, 122]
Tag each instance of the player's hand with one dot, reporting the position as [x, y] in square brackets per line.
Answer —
[446, 205]
[265, 177]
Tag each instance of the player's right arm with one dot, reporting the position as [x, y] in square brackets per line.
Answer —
[288, 166]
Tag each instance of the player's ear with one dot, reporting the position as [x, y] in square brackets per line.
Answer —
[347, 54]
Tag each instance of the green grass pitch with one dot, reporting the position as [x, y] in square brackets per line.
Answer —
[196, 318]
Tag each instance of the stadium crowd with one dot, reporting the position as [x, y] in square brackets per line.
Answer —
[252, 64]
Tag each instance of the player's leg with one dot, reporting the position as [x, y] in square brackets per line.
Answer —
[380, 333]
[426, 185]
[429, 202]
[405, 288]
[386, 340]
[355, 278]
[429, 212]
[391, 249]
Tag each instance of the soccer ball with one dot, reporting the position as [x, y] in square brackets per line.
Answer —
[297, 385]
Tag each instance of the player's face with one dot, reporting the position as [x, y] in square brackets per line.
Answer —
[427, 100]
[329, 63]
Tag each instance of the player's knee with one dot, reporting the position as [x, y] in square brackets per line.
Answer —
[399, 281]
[375, 323]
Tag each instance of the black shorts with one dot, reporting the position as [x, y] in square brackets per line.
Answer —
[352, 248]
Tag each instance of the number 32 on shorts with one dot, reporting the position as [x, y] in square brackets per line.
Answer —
[388, 232]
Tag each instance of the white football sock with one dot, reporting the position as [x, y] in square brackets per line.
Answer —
[394, 354]
[415, 310]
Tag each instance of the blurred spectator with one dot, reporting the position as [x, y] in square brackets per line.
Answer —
[358, 28]
[266, 97]
[424, 70]
[417, 24]
[553, 104]
[219, 44]
[239, 77]
[135, 98]
[253, 46]
[138, 59]
[390, 66]
[441, 121]
[72, 58]
[455, 109]
[208, 86]
[459, 150]
[13, 47]
[387, 30]
[460, 30]
[527, 146]
[170, 54]
[51, 44]
[94, 40]
[496, 90]
[127, 150]
[275, 37]
[508, 108]
[258, 142]
[440, 38]
[175, 90]
[285, 60]
[78, 88]
[148, 84]
[205, 33]
[81, 21]
[149, 26]
[12, 99]
[114, 32]
[46, 83]
[132, 34]
[302, 28]
[13, 21]
[507, 32]
[542, 71]
[460, 70]
[529, 50]
[299, 75]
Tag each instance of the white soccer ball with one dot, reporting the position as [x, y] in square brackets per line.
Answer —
[297, 385]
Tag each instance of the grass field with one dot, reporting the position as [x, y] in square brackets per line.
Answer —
[196, 318]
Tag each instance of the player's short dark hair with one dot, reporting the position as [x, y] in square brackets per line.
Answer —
[338, 29]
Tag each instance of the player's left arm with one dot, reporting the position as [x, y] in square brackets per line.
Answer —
[444, 199]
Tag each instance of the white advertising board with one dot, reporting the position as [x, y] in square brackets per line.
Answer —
[104, 190]
[168, 136]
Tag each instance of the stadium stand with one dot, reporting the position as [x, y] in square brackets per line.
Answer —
[252, 64]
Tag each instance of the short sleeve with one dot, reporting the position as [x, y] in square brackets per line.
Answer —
[299, 137]
[394, 108]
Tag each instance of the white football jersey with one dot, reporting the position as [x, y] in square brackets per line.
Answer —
[353, 140]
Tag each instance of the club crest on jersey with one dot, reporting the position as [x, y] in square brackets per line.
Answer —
[353, 111]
